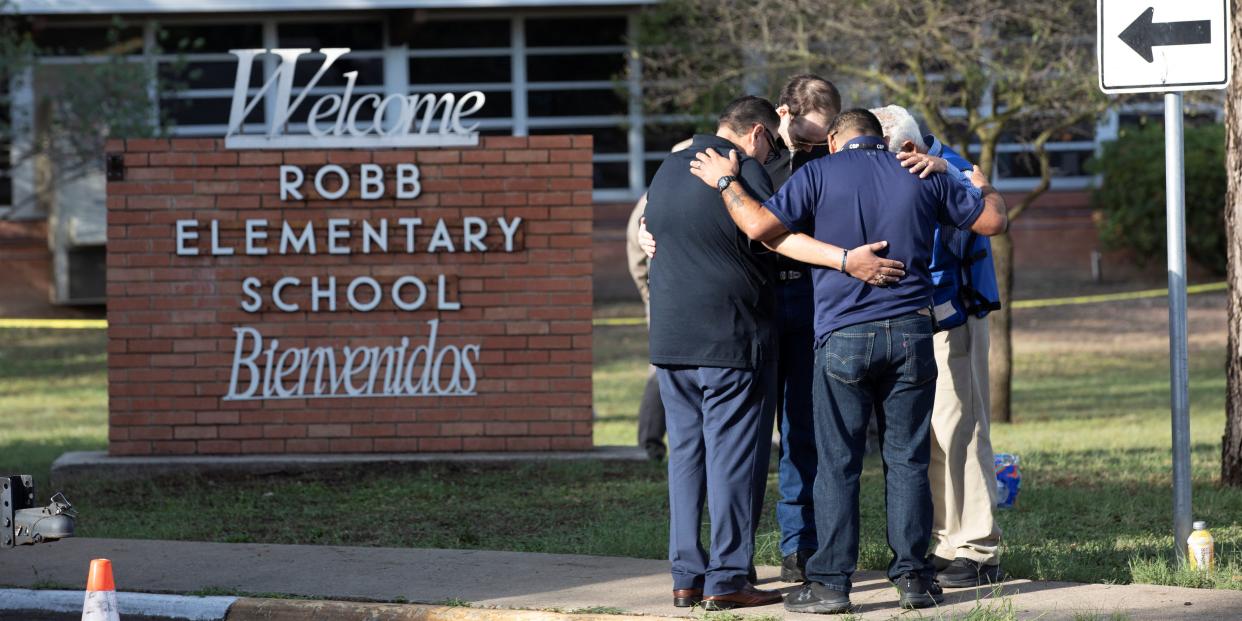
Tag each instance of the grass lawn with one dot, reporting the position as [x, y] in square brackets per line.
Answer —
[1093, 435]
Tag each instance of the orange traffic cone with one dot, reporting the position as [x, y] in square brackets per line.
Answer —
[100, 602]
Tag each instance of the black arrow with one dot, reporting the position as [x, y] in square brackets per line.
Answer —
[1142, 34]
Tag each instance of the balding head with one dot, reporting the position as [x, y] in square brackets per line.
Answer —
[850, 125]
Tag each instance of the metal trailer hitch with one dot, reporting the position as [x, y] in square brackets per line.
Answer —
[22, 523]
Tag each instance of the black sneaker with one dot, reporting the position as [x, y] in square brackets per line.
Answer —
[815, 597]
[793, 567]
[963, 572]
[939, 562]
[917, 592]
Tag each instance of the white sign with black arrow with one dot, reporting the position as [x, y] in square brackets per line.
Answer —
[1162, 45]
[1169, 46]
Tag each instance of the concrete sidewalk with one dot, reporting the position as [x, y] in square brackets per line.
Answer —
[525, 580]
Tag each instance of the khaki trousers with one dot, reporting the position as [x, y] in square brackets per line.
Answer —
[962, 473]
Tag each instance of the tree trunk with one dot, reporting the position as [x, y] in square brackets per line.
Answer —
[1000, 356]
[1231, 451]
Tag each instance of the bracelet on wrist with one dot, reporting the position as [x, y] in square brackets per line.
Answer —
[845, 255]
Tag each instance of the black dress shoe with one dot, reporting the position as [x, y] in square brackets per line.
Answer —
[963, 572]
[686, 598]
[655, 451]
[918, 592]
[815, 597]
[745, 597]
[793, 567]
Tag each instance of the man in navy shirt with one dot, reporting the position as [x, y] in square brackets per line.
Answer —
[873, 344]
[713, 341]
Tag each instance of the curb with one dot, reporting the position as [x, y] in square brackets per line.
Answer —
[77, 466]
[179, 607]
[252, 609]
[227, 608]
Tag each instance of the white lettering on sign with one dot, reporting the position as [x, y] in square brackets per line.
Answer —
[338, 120]
[262, 371]
[338, 233]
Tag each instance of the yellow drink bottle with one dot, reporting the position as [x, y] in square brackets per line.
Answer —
[1200, 548]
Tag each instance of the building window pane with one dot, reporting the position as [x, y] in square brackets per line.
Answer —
[458, 70]
[607, 139]
[576, 103]
[497, 105]
[661, 138]
[440, 34]
[1025, 164]
[612, 175]
[559, 32]
[212, 111]
[211, 39]
[651, 167]
[370, 71]
[78, 41]
[577, 67]
[353, 35]
[208, 74]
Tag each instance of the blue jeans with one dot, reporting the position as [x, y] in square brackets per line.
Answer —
[888, 366]
[719, 440]
[796, 475]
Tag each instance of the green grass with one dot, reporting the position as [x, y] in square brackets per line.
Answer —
[1093, 435]
[53, 398]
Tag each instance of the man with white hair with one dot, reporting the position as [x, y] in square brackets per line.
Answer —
[961, 472]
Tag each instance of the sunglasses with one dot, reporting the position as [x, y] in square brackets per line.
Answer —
[773, 151]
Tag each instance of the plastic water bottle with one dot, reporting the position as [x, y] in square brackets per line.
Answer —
[1008, 480]
[1200, 548]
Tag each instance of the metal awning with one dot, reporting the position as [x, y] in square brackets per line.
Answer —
[80, 7]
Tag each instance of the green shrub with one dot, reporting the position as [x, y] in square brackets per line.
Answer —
[1130, 200]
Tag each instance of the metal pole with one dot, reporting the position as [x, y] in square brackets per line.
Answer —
[1178, 357]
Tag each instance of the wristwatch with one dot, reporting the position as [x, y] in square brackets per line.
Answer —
[722, 183]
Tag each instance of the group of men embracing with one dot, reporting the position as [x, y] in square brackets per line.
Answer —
[795, 259]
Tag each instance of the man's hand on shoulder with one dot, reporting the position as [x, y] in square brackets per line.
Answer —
[922, 164]
[710, 166]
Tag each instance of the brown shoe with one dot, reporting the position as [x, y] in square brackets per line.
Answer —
[686, 598]
[746, 597]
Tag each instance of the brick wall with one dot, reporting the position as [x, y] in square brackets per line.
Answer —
[172, 319]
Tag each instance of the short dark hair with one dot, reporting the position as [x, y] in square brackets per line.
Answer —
[858, 120]
[810, 93]
[744, 113]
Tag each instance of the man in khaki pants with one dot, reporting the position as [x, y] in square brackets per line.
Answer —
[962, 472]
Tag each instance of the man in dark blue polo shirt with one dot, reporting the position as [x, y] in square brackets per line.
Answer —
[713, 341]
[873, 344]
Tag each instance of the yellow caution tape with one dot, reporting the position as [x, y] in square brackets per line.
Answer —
[98, 324]
[55, 324]
[1117, 297]
[1021, 304]
[619, 321]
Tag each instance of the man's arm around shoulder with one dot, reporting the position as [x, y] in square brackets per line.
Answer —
[748, 213]
[994, 219]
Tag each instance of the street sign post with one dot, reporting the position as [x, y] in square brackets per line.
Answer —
[1168, 46]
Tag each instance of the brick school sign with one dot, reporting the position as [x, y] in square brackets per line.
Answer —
[304, 301]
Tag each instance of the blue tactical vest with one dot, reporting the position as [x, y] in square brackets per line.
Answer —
[961, 265]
